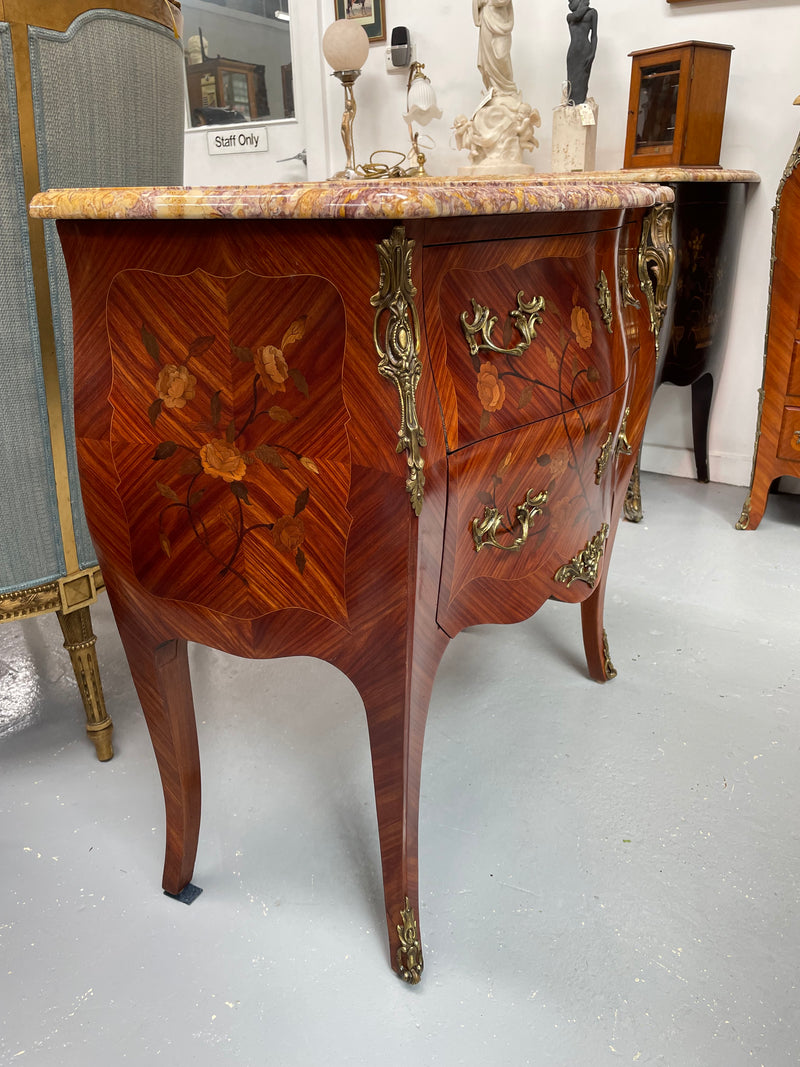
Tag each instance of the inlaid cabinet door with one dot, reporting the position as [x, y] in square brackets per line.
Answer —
[530, 328]
[228, 438]
[528, 516]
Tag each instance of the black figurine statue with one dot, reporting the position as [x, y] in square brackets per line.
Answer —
[582, 22]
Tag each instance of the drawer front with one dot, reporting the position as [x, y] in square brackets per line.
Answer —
[530, 328]
[789, 441]
[794, 369]
[521, 510]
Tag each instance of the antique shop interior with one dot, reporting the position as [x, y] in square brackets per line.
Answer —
[279, 207]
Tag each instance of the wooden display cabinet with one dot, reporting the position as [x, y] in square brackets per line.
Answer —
[677, 104]
[228, 83]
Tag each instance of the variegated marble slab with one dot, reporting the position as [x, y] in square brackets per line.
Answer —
[401, 199]
[656, 174]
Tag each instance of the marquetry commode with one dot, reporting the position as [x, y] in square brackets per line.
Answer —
[347, 420]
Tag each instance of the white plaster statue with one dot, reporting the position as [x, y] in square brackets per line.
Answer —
[501, 128]
[495, 21]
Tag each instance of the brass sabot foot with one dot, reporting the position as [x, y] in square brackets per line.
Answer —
[409, 954]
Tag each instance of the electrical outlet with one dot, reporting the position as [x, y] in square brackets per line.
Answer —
[391, 68]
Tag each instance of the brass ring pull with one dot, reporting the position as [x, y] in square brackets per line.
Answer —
[485, 530]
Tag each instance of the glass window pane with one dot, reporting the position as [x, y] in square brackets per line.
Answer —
[238, 60]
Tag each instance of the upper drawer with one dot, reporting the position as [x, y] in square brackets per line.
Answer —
[522, 330]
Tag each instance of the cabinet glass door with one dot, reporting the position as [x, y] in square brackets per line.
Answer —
[658, 106]
[235, 92]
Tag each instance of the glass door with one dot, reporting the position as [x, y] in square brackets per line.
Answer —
[255, 101]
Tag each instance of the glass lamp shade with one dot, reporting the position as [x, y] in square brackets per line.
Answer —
[345, 45]
[421, 99]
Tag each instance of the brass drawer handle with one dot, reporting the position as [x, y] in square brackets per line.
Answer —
[485, 530]
[796, 439]
[478, 333]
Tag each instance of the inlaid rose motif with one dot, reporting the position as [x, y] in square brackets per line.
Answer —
[581, 326]
[175, 386]
[241, 445]
[491, 389]
[288, 533]
[223, 460]
[272, 368]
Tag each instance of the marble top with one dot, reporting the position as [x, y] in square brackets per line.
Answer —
[658, 174]
[396, 199]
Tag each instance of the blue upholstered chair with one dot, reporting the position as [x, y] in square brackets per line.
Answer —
[93, 97]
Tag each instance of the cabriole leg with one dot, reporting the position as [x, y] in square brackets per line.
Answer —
[161, 676]
[702, 395]
[396, 698]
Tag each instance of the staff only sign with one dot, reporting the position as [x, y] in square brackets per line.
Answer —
[227, 140]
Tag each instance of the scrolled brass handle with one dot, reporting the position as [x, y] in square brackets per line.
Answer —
[485, 530]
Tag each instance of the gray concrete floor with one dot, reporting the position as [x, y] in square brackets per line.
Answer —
[609, 874]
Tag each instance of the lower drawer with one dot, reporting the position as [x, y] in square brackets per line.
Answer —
[521, 507]
[793, 388]
[789, 440]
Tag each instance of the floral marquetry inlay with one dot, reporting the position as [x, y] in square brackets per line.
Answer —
[225, 472]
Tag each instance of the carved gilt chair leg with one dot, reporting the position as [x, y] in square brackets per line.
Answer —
[79, 641]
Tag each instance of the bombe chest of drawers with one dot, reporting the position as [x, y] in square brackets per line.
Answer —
[348, 420]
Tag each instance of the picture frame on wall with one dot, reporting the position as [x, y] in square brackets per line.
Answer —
[370, 13]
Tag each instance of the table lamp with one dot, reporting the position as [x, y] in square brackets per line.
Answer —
[345, 46]
[421, 103]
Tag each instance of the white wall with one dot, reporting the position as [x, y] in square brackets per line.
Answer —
[760, 130]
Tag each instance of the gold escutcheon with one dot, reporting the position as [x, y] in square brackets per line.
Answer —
[656, 263]
[602, 460]
[604, 301]
[586, 565]
[398, 351]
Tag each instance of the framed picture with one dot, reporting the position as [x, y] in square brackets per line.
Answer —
[370, 13]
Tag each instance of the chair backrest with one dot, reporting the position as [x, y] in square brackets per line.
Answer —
[103, 105]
